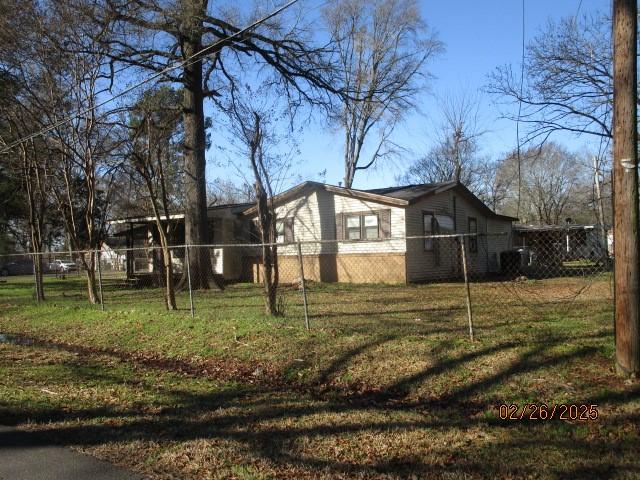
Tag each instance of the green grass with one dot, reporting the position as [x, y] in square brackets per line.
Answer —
[386, 383]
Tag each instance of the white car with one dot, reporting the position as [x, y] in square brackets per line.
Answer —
[62, 266]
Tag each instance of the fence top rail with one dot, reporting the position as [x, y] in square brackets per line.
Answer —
[67, 253]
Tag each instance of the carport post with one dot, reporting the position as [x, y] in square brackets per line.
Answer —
[186, 259]
[303, 287]
[98, 253]
[466, 284]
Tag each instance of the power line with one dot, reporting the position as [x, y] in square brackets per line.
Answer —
[156, 75]
[519, 115]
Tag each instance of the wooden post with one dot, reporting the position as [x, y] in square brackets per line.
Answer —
[303, 287]
[466, 285]
[625, 163]
[186, 260]
[98, 252]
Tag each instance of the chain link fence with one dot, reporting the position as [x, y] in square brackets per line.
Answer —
[449, 277]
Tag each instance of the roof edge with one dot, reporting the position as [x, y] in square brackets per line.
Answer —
[505, 217]
[470, 196]
[347, 192]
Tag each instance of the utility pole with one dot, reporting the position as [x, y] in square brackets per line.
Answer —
[625, 178]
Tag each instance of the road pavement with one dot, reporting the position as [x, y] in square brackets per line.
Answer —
[25, 456]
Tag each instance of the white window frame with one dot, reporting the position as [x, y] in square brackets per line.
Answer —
[280, 235]
[427, 228]
[366, 227]
[348, 229]
[473, 241]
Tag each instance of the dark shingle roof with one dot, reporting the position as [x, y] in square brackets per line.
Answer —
[233, 207]
[400, 196]
[411, 192]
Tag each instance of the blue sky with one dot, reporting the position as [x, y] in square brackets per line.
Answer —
[478, 36]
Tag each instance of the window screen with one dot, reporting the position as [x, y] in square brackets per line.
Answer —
[353, 227]
[371, 227]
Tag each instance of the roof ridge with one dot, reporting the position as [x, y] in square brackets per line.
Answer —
[411, 185]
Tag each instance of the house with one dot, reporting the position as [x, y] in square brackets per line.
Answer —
[354, 235]
[139, 235]
[350, 235]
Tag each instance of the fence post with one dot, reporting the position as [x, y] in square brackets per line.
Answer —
[98, 254]
[186, 259]
[466, 284]
[303, 286]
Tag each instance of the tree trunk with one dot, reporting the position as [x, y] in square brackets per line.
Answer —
[195, 219]
[270, 287]
[269, 252]
[349, 146]
[92, 288]
[167, 266]
[37, 264]
[266, 217]
[36, 247]
[169, 294]
[36, 244]
[35, 222]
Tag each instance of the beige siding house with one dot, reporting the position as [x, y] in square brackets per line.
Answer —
[353, 235]
[346, 235]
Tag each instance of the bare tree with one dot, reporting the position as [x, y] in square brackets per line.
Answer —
[555, 185]
[18, 118]
[65, 163]
[155, 121]
[382, 48]
[154, 35]
[83, 158]
[222, 191]
[493, 188]
[266, 212]
[252, 124]
[29, 164]
[568, 79]
[456, 155]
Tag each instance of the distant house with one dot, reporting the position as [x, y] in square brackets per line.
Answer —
[351, 235]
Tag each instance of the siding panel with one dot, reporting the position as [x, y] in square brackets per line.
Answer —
[421, 265]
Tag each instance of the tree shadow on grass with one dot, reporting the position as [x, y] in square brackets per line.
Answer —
[272, 423]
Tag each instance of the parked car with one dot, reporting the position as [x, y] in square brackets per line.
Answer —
[17, 267]
[62, 266]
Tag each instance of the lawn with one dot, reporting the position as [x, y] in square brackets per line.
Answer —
[386, 383]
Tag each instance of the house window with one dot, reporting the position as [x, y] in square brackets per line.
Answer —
[473, 241]
[353, 227]
[445, 224]
[430, 228]
[362, 226]
[284, 230]
[371, 227]
[280, 231]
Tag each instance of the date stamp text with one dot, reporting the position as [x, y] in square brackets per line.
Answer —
[542, 411]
